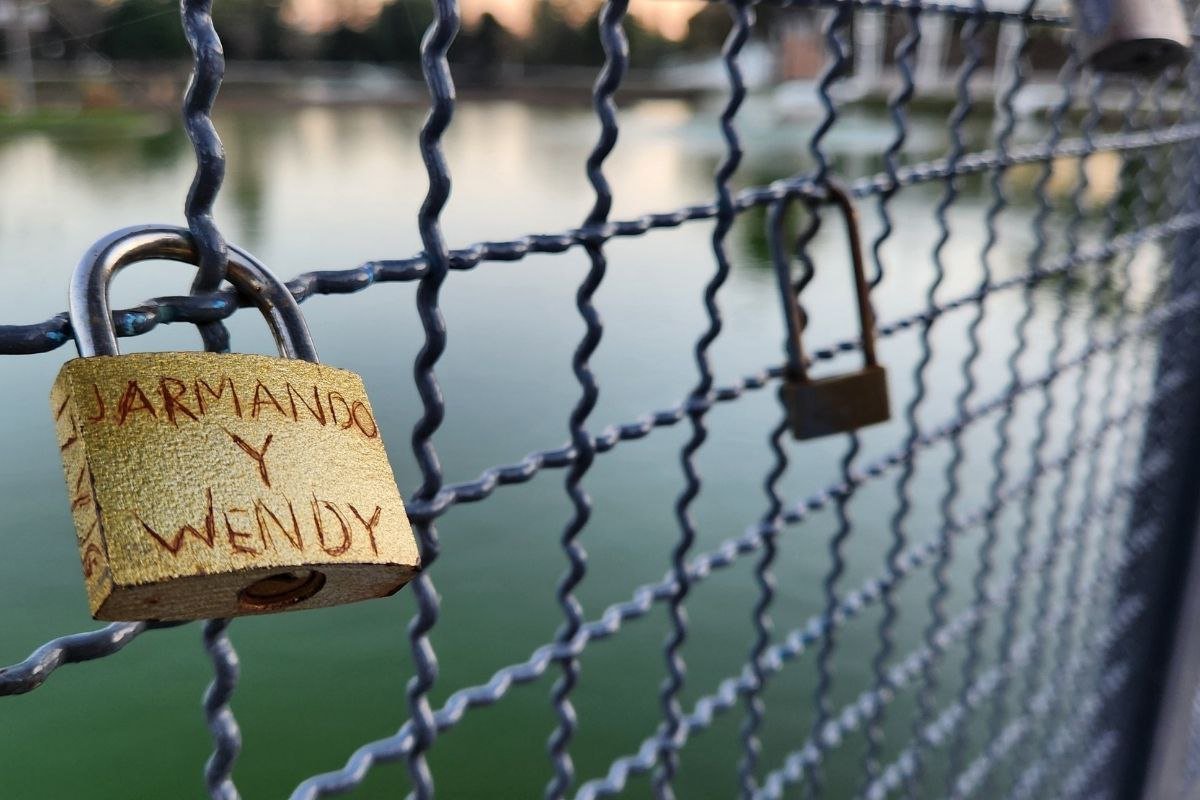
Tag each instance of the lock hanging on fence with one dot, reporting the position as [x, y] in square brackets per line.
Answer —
[214, 484]
[1134, 36]
[839, 403]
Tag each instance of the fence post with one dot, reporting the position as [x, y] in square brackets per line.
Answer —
[1173, 762]
[1153, 716]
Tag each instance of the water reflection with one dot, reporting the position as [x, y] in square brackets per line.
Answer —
[319, 188]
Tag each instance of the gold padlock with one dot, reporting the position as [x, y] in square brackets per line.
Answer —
[214, 484]
[840, 403]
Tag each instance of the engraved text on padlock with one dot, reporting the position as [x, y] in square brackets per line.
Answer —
[214, 485]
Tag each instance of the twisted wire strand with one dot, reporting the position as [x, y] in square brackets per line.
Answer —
[34, 669]
[1110, 568]
[1074, 785]
[1111, 564]
[436, 68]
[502, 681]
[814, 786]
[743, 19]
[609, 437]
[218, 770]
[31, 672]
[616, 50]
[962, 108]
[829, 735]
[208, 70]
[1114, 679]
[43, 337]
[1031, 779]
[770, 525]
[973, 778]
[1048, 576]
[1011, 620]
[966, 784]
[1173, 272]
[579, 456]
[897, 109]
[1081, 544]
[837, 67]
[1147, 174]
[940, 729]
[199, 97]
[850, 718]
[944, 7]
[1036, 771]
[911, 667]
[1004, 130]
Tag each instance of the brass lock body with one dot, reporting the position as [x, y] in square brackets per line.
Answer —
[217, 485]
[839, 403]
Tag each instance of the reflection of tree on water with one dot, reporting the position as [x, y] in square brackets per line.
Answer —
[1105, 195]
[246, 143]
[247, 139]
[148, 144]
[774, 153]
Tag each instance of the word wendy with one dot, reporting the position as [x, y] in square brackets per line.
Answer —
[261, 525]
[175, 402]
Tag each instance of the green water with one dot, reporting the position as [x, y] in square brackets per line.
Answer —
[326, 188]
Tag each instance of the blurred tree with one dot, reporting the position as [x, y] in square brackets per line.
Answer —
[646, 47]
[146, 30]
[345, 43]
[251, 29]
[707, 28]
[140, 30]
[483, 50]
[555, 40]
[398, 30]
[69, 35]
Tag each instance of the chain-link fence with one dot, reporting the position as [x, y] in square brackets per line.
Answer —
[1001, 552]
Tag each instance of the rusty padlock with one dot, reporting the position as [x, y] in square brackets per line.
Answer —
[839, 403]
[216, 484]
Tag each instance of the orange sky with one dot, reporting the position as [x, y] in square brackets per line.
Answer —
[667, 16]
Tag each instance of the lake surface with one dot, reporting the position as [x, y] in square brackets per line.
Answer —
[319, 188]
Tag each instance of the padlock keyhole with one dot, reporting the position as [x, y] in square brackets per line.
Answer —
[281, 590]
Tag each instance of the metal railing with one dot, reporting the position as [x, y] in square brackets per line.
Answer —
[1083, 505]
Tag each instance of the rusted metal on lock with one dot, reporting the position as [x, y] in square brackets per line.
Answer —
[1135, 36]
[214, 484]
[839, 403]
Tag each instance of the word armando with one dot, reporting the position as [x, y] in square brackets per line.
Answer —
[175, 401]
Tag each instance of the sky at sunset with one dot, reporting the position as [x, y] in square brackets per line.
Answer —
[669, 17]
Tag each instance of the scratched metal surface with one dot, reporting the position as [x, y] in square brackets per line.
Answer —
[1018, 711]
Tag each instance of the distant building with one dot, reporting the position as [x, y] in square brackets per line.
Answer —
[874, 35]
[18, 19]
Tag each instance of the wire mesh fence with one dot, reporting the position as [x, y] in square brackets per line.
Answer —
[973, 611]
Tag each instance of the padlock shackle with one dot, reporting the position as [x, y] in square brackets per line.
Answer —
[91, 313]
[793, 314]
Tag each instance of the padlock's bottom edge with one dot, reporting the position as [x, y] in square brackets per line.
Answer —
[1143, 56]
[267, 590]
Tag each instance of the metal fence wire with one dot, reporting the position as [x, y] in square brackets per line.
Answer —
[1035, 675]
